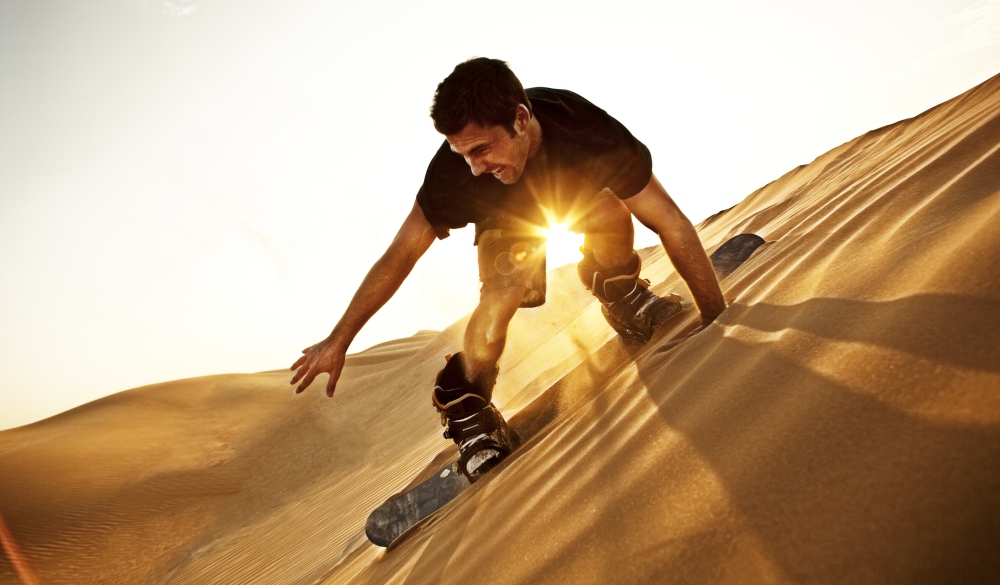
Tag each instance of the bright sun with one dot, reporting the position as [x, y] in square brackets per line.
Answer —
[562, 246]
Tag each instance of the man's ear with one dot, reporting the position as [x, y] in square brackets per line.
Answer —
[521, 118]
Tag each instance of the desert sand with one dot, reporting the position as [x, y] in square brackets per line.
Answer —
[839, 423]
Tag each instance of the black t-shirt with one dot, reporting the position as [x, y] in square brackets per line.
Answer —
[584, 150]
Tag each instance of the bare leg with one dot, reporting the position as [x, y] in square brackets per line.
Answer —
[610, 269]
[608, 231]
[474, 423]
[486, 333]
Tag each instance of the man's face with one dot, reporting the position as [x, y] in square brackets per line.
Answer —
[491, 149]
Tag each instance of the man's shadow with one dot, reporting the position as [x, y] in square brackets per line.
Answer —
[839, 437]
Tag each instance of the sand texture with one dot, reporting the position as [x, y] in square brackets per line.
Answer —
[839, 423]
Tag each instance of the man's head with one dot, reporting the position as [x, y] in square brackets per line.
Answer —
[483, 111]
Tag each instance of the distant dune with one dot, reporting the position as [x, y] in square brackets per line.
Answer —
[840, 423]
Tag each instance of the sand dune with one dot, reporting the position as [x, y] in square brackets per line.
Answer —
[840, 423]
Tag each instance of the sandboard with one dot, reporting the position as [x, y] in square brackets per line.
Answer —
[390, 520]
[732, 254]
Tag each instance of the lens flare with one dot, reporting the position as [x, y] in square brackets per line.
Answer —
[562, 246]
[15, 556]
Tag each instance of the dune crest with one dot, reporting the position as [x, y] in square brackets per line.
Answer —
[839, 423]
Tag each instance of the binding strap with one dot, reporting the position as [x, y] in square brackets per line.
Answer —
[443, 408]
[610, 284]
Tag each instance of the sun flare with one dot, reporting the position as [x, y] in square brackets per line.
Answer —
[562, 246]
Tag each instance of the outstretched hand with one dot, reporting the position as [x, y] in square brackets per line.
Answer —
[325, 356]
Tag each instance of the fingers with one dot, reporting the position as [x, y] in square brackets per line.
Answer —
[298, 365]
[315, 360]
[305, 383]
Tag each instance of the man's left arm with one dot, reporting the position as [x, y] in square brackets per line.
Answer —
[654, 208]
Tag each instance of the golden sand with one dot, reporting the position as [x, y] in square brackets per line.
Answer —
[840, 423]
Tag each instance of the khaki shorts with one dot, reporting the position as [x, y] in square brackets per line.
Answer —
[509, 259]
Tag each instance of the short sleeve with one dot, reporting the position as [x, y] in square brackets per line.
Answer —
[593, 143]
[625, 169]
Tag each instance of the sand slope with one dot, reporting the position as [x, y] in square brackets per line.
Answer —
[840, 423]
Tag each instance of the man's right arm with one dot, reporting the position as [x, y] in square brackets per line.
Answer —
[415, 236]
[654, 208]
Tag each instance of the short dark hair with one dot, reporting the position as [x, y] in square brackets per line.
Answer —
[479, 90]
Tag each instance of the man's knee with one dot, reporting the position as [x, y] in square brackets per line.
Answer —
[608, 214]
[486, 333]
[488, 325]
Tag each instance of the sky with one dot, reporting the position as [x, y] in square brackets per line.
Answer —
[195, 187]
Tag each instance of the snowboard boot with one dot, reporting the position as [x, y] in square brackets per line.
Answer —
[473, 422]
[627, 303]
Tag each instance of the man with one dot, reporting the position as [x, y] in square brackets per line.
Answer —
[530, 153]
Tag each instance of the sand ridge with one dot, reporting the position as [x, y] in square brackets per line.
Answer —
[839, 423]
